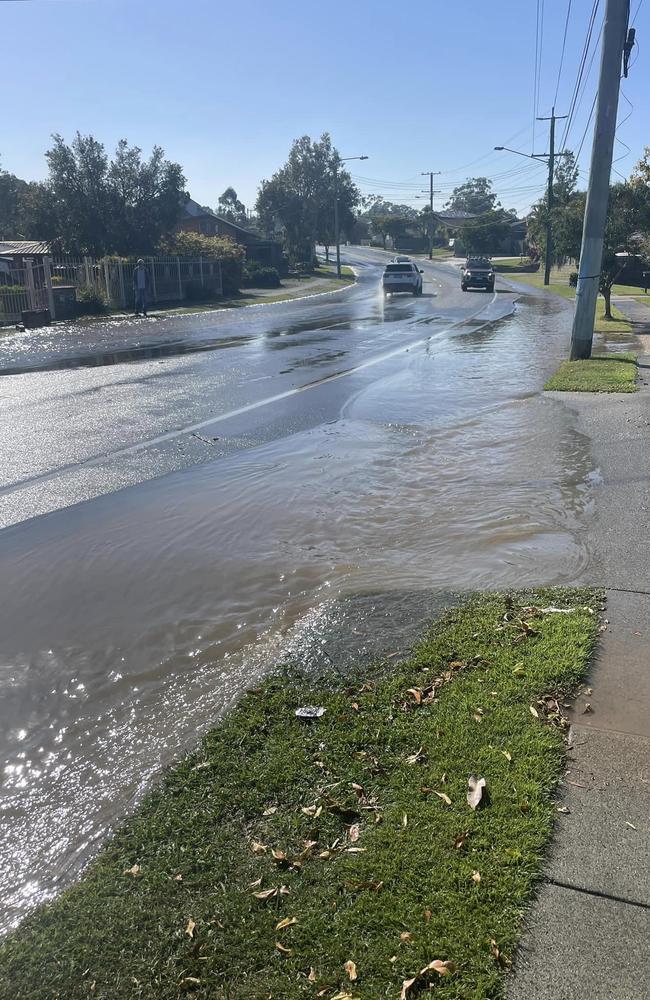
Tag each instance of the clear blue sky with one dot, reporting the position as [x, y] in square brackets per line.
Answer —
[224, 87]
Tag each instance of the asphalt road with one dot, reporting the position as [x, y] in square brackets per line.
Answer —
[92, 412]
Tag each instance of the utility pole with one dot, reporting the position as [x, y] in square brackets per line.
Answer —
[593, 231]
[548, 263]
[337, 235]
[431, 174]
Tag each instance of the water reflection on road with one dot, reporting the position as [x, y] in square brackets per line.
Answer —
[130, 623]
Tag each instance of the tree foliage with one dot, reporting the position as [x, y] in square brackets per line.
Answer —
[475, 196]
[221, 248]
[299, 197]
[231, 208]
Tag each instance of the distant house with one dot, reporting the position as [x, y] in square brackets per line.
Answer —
[16, 251]
[194, 218]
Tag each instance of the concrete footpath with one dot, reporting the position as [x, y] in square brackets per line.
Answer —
[588, 933]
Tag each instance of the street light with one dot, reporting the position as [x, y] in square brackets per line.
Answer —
[337, 238]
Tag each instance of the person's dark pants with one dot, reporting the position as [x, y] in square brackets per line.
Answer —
[141, 301]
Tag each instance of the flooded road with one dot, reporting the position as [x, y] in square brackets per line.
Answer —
[408, 455]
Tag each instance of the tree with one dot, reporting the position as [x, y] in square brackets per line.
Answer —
[300, 196]
[231, 208]
[12, 194]
[222, 248]
[628, 218]
[565, 178]
[99, 206]
[475, 196]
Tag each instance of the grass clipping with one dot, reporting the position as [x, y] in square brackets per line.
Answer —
[600, 373]
[385, 849]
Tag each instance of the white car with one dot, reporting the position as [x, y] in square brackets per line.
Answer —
[402, 278]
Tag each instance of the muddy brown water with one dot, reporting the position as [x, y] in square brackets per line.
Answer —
[129, 624]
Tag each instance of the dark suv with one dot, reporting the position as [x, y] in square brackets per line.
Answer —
[477, 273]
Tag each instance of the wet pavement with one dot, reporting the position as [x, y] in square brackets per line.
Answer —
[302, 455]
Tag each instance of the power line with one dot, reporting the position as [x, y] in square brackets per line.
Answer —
[559, 72]
[581, 69]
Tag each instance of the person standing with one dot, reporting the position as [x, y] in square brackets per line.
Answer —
[140, 287]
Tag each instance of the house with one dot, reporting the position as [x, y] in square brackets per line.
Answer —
[194, 218]
[15, 251]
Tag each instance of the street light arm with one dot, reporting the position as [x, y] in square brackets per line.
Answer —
[529, 156]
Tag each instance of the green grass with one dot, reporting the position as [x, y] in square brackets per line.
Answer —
[643, 299]
[512, 265]
[378, 869]
[600, 373]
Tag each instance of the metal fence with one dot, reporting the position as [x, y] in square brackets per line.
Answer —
[171, 279]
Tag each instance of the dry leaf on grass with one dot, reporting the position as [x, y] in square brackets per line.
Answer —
[313, 811]
[475, 789]
[427, 916]
[416, 694]
[405, 820]
[445, 798]
[438, 966]
[351, 970]
[415, 757]
[461, 838]
[533, 711]
[506, 754]
[132, 871]
[270, 811]
[258, 848]
[354, 833]
[188, 982]
[287, 922]
[189, 930]
[502, 959]
[405, 936]
[355, 850]
[476, 877]
[312, 977]
[280, 947]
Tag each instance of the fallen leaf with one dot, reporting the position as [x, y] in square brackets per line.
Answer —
[393, 959]
[416, 693]
[427, 915]
[475, 788]
[477, 718]
[405, 936]
[188, 982]
[342, 996]
[324, 855]
[351, 970]
[405, 820]
[265, 894]
[255, 884]
[461, 838]
[457, 664]
[284, 890]
[519, 671]
[476, 877]
[189, 930]
[355, 850]
[132, 871]
[178, 878]
[287, 922]
[442, 968]
[280, 947]
[415, 757]
[258, 848]
[533, 711]
[200, 767]
[354, 833]
[445, 798]
[279, 855]
[631, 825]
[373, 886]
[313, 811]
[406, 986]
[357, 788]
[587, 709]
[563, 809]
[501, 958]
[270, 811]
[506, 754]
[312, 977]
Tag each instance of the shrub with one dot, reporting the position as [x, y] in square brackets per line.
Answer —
[573, 279]
[303, 267]
[90, 302]
[260, 276]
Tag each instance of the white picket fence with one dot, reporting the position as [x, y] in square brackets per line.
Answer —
[171, 279]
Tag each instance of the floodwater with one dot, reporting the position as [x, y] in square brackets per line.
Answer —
[129, 624]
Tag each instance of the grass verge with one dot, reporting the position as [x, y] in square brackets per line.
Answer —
[600, 373]
[282, 850]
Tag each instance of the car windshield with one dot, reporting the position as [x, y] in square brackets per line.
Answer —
[401, 268]
[478, 262]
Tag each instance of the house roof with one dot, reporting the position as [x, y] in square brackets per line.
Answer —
[454, 216]
[193, 210]
[24, 247]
